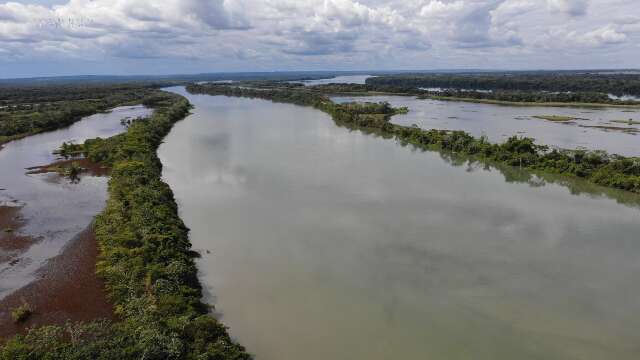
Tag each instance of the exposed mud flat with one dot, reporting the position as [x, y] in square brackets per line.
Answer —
[87, 167]
[67, 289]
[11, 242]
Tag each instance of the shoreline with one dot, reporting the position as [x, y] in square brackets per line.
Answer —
[67, 289]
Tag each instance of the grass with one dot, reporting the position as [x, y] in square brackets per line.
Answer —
[21, 313]
[555, 118]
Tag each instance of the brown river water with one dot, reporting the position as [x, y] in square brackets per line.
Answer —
[319, 242]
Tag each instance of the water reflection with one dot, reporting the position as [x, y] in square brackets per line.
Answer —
[339, 244]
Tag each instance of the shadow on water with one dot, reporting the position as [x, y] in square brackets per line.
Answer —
[513, 174]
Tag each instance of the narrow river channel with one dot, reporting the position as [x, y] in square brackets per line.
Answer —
[322, 243]
[52, 209]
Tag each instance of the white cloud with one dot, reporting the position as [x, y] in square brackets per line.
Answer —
[318, 33]
[437, 8]
[605, 35]
[510, 9]
[569, 7]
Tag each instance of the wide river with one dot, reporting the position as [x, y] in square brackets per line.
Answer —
[322, 243]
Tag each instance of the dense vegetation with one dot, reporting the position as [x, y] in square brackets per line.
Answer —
[618, 84]
[29, 110]
[528, 96]
[145, 259]
[596, 166]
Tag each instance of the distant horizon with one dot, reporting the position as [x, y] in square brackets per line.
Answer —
[302, 72]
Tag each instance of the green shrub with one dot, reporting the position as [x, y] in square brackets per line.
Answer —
[21, 313]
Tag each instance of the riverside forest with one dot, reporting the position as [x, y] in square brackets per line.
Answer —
[364, 215]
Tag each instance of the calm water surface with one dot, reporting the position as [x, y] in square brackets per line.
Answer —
[345, 79]
[54, 210]
[500, 122]
[324, 243]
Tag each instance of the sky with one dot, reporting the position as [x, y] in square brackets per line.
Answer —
[120, 37]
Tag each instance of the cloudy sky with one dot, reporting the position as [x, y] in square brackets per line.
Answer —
[49, 37]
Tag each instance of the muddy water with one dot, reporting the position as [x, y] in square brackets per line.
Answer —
[593, 128]
[53, 210]
[324, 243]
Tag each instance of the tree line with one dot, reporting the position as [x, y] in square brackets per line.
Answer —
[617, 84]
[29, 110]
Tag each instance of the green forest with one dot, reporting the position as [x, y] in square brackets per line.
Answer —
[617, 84]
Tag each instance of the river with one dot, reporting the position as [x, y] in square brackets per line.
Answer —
[53, 210]
[322, 243]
